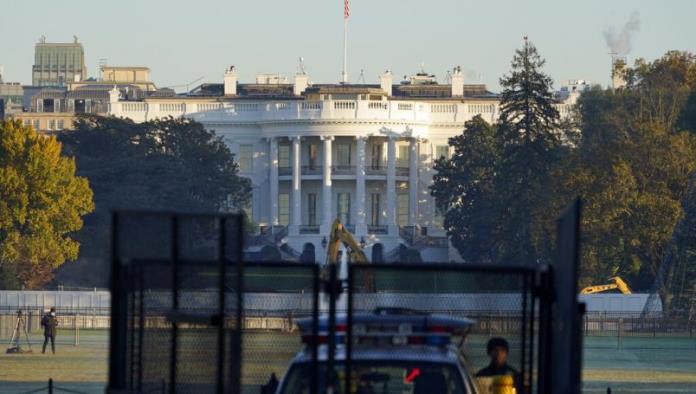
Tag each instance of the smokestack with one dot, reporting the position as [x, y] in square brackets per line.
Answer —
[618, 72]
[2, 72]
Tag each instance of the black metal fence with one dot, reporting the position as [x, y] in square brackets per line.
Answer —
[500, 300]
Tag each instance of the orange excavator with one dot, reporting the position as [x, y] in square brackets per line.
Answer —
[339, 235]
[616, 284]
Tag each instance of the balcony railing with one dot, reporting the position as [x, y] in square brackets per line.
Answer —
[311, 170]
[376, 170]
[402, 171]
[343, 170]
[309, 229]
[377, 229]
[284, 170]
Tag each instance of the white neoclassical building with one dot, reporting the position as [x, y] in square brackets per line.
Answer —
[363, 153]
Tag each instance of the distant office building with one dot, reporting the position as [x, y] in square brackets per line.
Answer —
[57, 64]
[11, 95]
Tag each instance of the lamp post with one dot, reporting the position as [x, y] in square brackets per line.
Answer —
[323, 242]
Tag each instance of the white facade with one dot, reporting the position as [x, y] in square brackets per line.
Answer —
[363, 153]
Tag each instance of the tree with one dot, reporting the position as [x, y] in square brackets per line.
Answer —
[169, 164]
[41, 206]
[632, 166]
[497, 189]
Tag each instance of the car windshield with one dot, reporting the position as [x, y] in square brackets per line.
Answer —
[380, 378]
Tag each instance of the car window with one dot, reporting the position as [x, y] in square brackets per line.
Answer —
[380, 378]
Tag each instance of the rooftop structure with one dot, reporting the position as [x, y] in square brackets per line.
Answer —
[57, 64]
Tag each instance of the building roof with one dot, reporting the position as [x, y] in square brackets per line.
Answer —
[399, 91]
[126, 68]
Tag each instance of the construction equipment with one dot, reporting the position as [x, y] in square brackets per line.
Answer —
[339, 235]
[616, 284]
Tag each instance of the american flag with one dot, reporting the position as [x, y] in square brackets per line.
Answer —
[346, 9]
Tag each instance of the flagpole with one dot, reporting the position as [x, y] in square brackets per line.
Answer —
[345, 50]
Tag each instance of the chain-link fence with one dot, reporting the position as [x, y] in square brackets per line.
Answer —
[175, 304]
[275, 296]
[498, 300]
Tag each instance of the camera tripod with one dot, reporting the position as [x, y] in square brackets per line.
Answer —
[15, 342]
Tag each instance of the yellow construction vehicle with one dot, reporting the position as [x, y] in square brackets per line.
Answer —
[339, 235]
[616, 283]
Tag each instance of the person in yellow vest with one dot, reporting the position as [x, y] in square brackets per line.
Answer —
[498, 350]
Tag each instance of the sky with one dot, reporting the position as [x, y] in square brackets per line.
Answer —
[182, 41]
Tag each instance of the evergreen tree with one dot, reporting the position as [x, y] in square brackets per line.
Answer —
[41, 205]
[532, 148]
[497, 190]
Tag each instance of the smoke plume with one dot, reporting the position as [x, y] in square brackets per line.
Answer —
[620, 43]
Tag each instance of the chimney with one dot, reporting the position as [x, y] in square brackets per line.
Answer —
[114, 95]
[618, 72]
[2, 72]
[301, 83]
[385, 82]
[457, 82]
[231, 81]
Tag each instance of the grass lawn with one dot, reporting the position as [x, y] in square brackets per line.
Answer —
[642, 365]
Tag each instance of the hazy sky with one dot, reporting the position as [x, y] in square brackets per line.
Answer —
[183, 40]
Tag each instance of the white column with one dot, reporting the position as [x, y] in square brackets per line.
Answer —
[296, 187]
[273, 164]
[413, 182]
[327, 216]
[361, 223]
[391, 186]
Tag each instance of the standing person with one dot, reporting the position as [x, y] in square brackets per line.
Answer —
[498, 350]
[50, 325]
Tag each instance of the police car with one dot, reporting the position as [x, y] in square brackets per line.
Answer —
[394, 351]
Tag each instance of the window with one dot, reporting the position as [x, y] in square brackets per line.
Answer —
[283, 209]
[376, 211]
[51, 124]
[442, 151]
[246, 158]
[402, 156]
[27, 122]
[402, 209]
[343, 154]
[37, 124]
[344, 207]
[313, 152]
[312, 209]
[61, 124]
[283, 155]
[376, 156]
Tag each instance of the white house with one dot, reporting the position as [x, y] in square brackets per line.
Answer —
[360, 152]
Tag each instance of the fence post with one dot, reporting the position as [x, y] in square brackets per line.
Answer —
[50, 385]
[620, 333]
[77, 330]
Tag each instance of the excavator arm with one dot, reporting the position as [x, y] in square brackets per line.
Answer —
[617, 283]
[339, 235]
